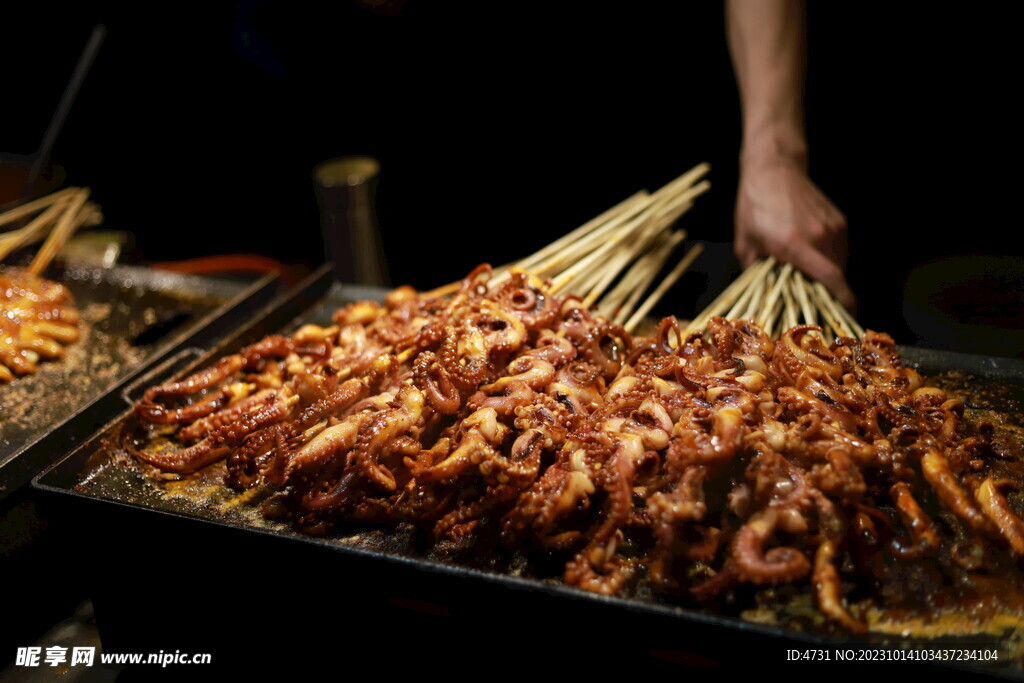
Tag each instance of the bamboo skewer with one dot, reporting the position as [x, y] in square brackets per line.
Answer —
[779, 282]
[643, 247]
[759, 288]
[60, 214]
[636, 225]
[800, 285]
[778, 297]
[585, 245]
[761, 311]
[611, 260]
[824, 303]
[594, 292]
[641, 271]
[773, 316]
[662, 288]
[36, 205]
[586, 283]
[854, 325]
[832, 306]
[723, 301]
[640, 255]
[684, 181]
[740, 308]
[621, 300]
[598, 224]
[648, 269]
[642, 229]
[636, 210]
[443, 290]
[826, 312]
[565, 249]
[32, 232]
[844, 314]
[73, 218]
[588, 260]
[790, 310]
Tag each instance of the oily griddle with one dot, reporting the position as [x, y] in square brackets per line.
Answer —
[915, 607]
[126, 314]
[101, 470]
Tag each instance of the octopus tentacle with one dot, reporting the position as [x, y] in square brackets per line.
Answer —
[777, 565]
[998, 510]
[205, 425]
[713, 460]
[384, 427]
[597, 567]
[534, 372]
[434, 381]
[528, 301]
[686, 503]
[158, 414]
[196, 382]
[483, 434]
[922, 529]
[464, 357]
[219, 442]
[249, 464]
[935, 468]
[273, 346]
[828, 589]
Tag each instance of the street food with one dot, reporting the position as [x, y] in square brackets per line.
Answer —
[37, 320]
[699, 463]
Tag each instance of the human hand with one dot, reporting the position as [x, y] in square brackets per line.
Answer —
[781, 213]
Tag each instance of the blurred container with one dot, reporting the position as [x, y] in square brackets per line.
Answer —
[346, 190]
[14, 172]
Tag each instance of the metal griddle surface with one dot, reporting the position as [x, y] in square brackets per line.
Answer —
[101, 472]
[130, 317]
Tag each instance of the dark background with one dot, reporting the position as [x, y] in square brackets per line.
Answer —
[502, 125]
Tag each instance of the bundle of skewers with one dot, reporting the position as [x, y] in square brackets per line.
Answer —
[729, 468]
[55, 217]
[613, 260]
[779, 297]
[37, 317]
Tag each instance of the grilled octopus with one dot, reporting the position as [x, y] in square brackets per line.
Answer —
[37, 320]
[703, 463]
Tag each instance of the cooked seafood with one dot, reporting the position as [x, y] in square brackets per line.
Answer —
[704, 463]
[37, 319]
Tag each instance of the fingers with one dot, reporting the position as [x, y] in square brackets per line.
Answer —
[745, 250]
[806, 258]
[833, 241]
[780, 212]
[822, 269]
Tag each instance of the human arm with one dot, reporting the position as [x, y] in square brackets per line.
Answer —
[779, 211]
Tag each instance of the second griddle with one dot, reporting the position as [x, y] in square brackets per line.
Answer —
[131, 317]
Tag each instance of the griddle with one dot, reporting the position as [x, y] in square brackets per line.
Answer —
[131, 318]
[210, 576]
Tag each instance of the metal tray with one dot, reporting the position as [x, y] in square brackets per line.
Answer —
[132, 318]
[270, 580]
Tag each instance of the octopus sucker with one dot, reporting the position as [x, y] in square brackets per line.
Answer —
[720, 465]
